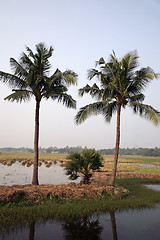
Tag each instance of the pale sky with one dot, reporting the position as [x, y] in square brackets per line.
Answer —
[80, 31]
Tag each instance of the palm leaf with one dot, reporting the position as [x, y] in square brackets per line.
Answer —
[142, 78]
[146, 111]
[93, 73]
[67, 100]
[19, 96]
[137, 98]
[108, 110]
[94, 91]
[12, 80]
[70, 77]
[17, 68]
[88, 110]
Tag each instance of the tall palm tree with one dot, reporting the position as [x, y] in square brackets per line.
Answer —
[121, 84]
[31, 78]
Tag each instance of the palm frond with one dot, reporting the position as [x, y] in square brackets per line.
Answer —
[19, 96]
[17, 68]
[94, 91]
[142, 78]
[101, 61]
[108, 110]
[88, 110]
[138, 98]
[12, 80]
[26, 62]
[129, 61]
[30, 52]
[84, 90]
[70, 77]
[67, 100]
[56, 77]
[146, 111]
[93, 73]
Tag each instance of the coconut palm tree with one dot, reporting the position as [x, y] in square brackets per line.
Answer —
[83, 163]
[31, 78]
[121, 84]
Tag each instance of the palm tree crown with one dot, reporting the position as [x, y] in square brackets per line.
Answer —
[30, 78]
[120, 84]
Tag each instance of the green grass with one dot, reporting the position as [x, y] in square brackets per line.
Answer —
[12, 214]
[140, 159]
[148, 170]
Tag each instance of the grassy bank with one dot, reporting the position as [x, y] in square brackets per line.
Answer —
[12, 214]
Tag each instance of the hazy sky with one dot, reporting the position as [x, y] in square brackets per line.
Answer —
[80, 31]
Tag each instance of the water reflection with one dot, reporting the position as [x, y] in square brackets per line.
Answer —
[31, 230]
[114, 226]
[82, 228]
[132, 224]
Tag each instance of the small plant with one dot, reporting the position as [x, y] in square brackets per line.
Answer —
[83, 163]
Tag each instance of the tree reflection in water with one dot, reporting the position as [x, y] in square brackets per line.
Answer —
[82, 228]
[31, 230]
[114, 227]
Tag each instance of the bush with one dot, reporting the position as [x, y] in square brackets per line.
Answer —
[83, 163]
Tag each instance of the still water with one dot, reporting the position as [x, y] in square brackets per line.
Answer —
[18, 174]
[143, 224]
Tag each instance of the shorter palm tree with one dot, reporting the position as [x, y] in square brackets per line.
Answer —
[83, 163]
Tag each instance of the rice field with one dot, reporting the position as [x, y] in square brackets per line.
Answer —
[125, 163]
[9, 158]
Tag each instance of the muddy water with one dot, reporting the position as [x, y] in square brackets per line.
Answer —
[18, 174]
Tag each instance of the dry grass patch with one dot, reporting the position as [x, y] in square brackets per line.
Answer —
[120, 167]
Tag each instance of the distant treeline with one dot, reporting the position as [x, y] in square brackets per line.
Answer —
[154, 152]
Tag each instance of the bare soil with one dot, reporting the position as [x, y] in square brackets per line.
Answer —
[100, 183]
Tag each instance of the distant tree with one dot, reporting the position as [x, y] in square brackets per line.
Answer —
[121, 84]
[31, 78]
[83, 163]
[49, 150]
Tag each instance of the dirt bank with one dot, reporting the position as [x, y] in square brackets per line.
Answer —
[99, 185]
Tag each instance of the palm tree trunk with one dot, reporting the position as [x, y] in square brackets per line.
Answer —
[114, 227]
[114, 170]
[36, 151]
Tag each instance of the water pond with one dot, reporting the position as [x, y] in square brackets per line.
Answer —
[134, 224]
[18, 174]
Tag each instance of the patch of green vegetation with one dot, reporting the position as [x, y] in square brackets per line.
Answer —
[148, 170]
[121, 167]
[141, 159]
[23, 212]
